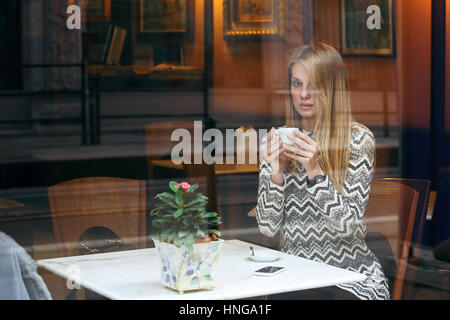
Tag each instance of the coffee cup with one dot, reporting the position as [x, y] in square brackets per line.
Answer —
[284, 133]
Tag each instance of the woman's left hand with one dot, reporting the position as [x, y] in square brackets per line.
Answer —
[304, 150]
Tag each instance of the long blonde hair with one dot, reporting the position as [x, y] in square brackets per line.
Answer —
[332, 131]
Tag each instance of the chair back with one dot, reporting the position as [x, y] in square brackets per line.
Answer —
[158, 140]
[391, 211]
[116, 204]
[423, 187]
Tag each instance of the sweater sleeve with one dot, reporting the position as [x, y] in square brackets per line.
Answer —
[344, 212]
[269, 209]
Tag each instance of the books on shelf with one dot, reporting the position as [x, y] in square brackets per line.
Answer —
[115, 40]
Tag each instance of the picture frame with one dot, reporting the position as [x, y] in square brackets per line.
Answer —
[164, 16]
[254, 19]
[168, 54]
[357, 39]
[94, 10]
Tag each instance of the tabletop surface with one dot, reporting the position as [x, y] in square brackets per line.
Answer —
[135, 274]
[220, 169]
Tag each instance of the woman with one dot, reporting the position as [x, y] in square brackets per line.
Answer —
[314, 192]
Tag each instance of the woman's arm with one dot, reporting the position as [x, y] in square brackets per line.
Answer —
[345, 213]
[269, 209]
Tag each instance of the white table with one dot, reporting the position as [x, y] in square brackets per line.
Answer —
[135, 274]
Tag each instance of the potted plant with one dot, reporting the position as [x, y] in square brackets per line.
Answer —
[186, 237]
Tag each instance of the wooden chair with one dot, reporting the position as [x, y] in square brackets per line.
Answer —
[158, 140]
[432, 275]
[423, 187]
[116, 204]
[391, 211]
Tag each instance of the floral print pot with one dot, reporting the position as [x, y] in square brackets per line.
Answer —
[184, 270]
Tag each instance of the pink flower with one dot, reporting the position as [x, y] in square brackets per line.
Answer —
[184, 185]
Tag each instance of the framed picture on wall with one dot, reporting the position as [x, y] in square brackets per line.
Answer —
[95, 10]
[367, 27]
[163, 16]
[254, 19]
[168, 54]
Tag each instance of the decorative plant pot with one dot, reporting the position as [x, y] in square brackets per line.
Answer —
[184, 270]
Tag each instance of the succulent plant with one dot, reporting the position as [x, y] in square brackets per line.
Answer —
[182, 216]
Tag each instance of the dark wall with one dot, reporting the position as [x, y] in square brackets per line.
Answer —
[10, 48]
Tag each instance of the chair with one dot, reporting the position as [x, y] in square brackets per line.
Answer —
[116, 204]
[252, 212]
[158, 141]
[423, 187]
[430, 260]
[391, 212]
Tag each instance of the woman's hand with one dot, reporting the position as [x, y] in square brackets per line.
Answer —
[273, 153]
[306, 152]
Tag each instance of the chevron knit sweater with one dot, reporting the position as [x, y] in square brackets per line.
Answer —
[320, 224]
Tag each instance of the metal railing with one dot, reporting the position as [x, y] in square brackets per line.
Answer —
[90, 96]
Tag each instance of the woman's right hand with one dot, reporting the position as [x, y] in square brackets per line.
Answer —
[273, 153]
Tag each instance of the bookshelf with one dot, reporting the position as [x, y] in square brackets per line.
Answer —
[113, 48]
[126, 76]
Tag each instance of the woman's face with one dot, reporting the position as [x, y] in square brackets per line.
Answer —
[302, 94]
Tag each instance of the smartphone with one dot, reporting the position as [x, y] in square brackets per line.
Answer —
[268, 271]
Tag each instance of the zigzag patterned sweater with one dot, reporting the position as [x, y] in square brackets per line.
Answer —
[320, 224]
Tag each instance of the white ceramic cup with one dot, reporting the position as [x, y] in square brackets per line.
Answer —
[284, 133]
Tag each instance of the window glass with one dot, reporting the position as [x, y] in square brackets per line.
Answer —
[125, 122]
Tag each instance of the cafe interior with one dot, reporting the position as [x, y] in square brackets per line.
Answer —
[91, 92]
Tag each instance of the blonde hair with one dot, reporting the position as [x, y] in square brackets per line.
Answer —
[332, 131]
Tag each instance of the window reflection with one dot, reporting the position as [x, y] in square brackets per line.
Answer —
[92, 111]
